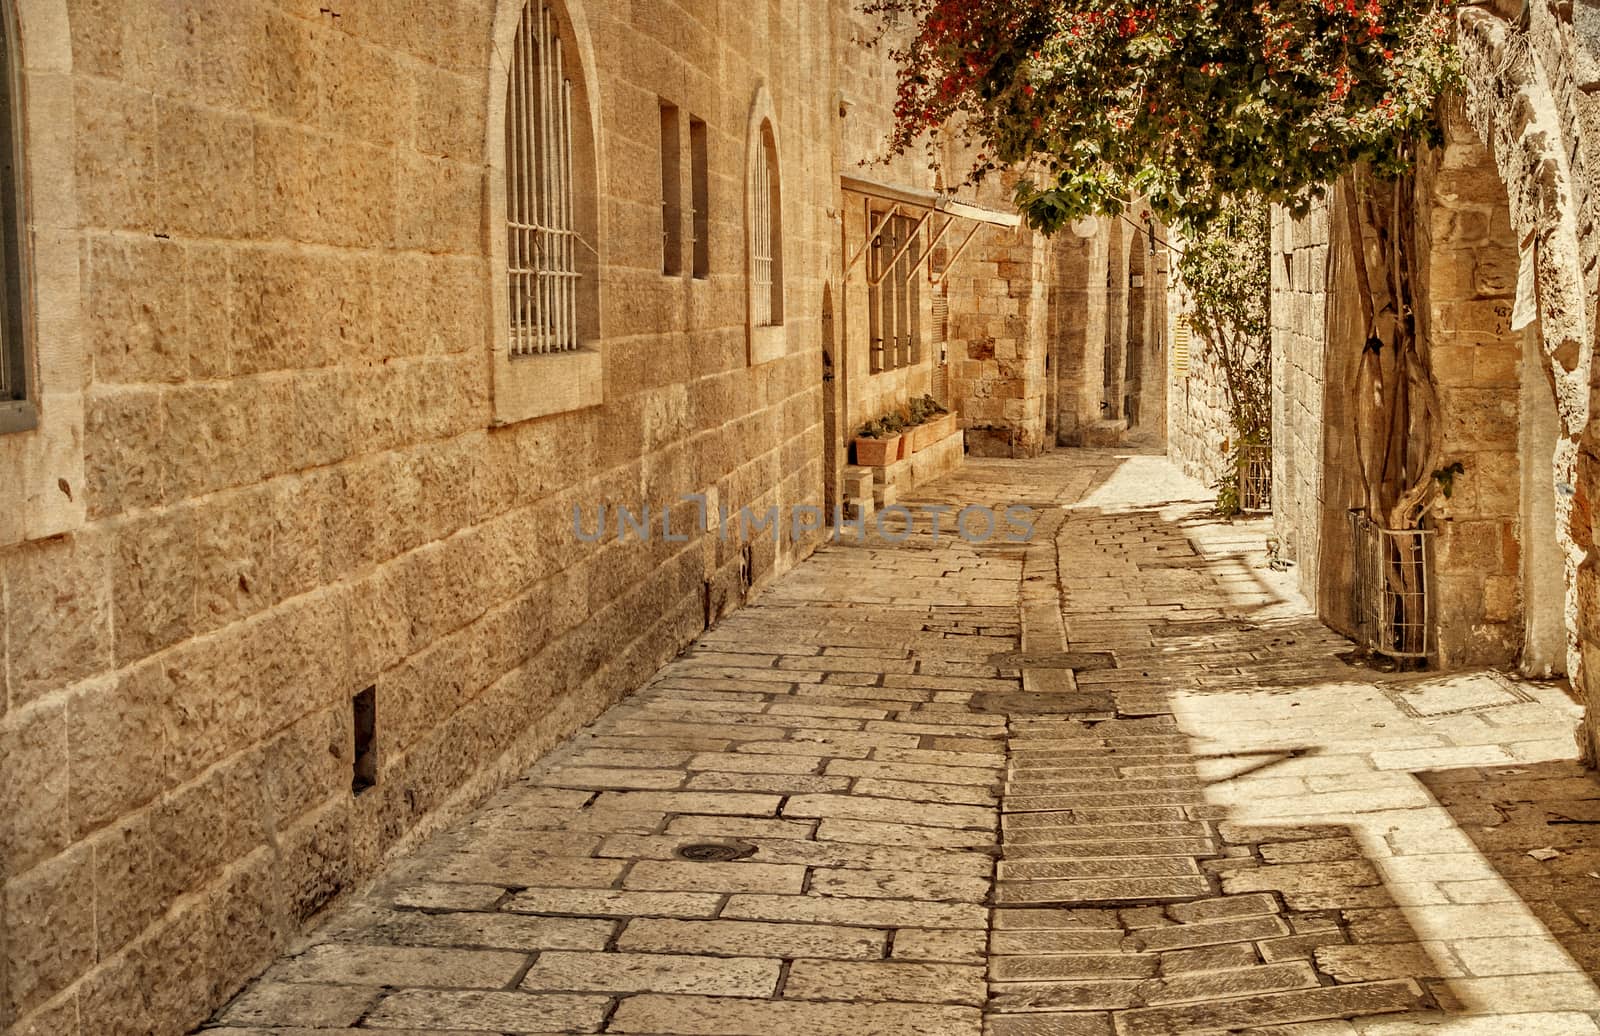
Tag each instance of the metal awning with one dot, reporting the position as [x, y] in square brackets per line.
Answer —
[929, 203]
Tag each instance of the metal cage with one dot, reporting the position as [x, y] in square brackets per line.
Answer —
[1255, 478]
[1392, 588]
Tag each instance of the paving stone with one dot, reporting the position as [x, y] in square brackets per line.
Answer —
[885, 981]
[753, 938]
[1370, 962]
[296, 1003]
[449, 896]
[561, 971]
[401, 966]
[715, 1016]
[954, 947]
[897, 884]
[1050, 1023]
[846, 807]
[1271, 1009]
[431, 1009]
[1208, 933]
[495, 931]
[895, 913]
[1209, 958]
[1075, 966]
[1223, 908]
[614, 903]
[744, 876]
[1109, 890]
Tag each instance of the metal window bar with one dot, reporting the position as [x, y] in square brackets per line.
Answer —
[541, 245]
[761, 236]
[13, 357]
[1255, 478]
[875, 329]
[1393, 588]
[671, 192]
[913, 264]
[699, 201]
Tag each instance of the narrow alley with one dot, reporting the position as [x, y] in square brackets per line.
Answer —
[1113, 780]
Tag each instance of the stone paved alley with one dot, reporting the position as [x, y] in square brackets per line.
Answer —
[1111, 781]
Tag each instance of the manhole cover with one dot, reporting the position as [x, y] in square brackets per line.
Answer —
[715, 852]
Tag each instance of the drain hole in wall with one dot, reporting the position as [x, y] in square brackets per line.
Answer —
[715, 852]
[365, 709]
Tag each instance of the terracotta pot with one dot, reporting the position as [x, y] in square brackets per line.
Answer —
[875, 453]
[945, 425]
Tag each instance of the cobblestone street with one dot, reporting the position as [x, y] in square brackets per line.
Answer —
[1113, 781]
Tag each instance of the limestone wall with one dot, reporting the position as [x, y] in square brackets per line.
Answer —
[1197, 411]
[1299, 312]
[292, 487]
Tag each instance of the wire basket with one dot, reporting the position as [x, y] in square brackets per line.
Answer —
[1255, 478]
[1392, 588]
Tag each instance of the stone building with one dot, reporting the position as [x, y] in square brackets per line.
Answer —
[1506, 306]
[331, 332]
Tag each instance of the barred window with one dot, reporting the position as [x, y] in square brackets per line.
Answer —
[15, 412]
[766, 250]
[541, 245]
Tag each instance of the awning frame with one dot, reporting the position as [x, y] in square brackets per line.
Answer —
[928, 202]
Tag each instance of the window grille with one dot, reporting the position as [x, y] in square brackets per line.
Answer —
[764, 243]
[700, 198]
[671, 189]
[13, 356]
[541, 245]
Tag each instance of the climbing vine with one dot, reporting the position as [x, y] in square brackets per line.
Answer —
[1184, 103]
[1225, 271]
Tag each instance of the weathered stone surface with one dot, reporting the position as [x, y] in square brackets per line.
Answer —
[885, 981]
[759, 939]
[517, 1012]
[702, 1016]
[559, 971]
[402, 966]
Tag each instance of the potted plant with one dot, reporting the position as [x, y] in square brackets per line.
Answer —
[876, 445]
[933, 421]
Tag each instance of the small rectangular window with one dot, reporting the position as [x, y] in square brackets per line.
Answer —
[701, 197]
[671, 192]
[364, 710]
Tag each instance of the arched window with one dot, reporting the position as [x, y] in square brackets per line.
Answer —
[17, 412]
[764, 233]
[544, 243]
[541, 252]
[766, 251]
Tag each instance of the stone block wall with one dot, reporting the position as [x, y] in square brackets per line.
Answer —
[1197, 411]
[292, 488]
[1469, 271]
[1300, 300]
[998, 338]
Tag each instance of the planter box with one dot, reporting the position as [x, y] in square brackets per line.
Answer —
[875, 453]
[942, 427]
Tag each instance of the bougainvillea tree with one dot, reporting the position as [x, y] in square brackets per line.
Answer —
[1182, 102]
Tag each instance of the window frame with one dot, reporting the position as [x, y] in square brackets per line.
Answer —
[19, 411]
[894, 298]
[765, 325]
[541, 383]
